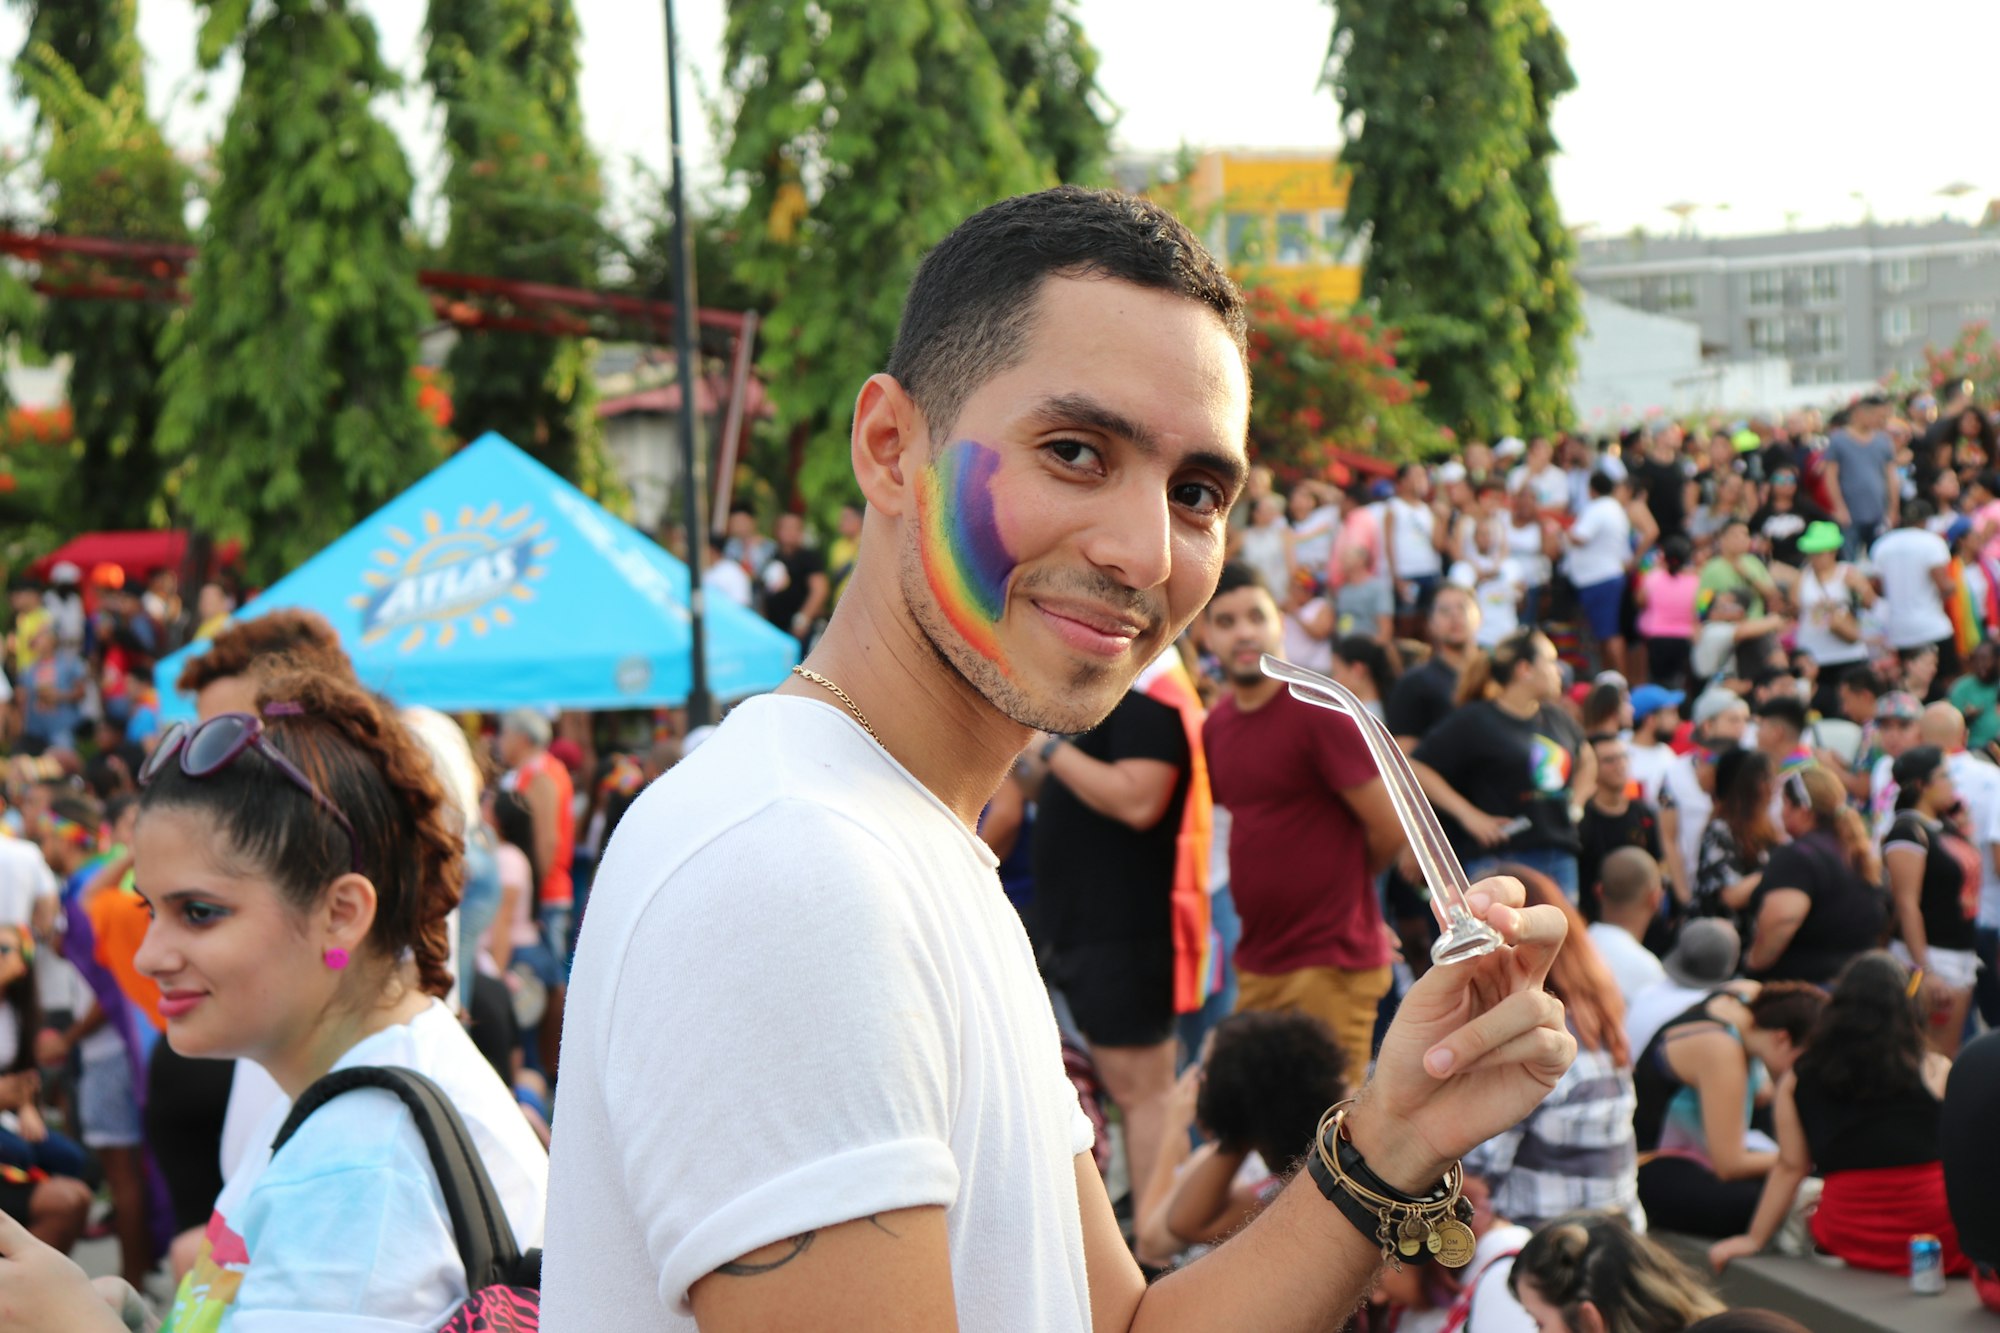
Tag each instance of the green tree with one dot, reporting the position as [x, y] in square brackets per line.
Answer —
[863, 131]
[1049, 69]
[523, 191]
[1555, 314]
[106, 172]
[97, 39]
[1445, 108]
[291, 407]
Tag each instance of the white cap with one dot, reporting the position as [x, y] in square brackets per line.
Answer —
[65, 572]
[1510, 447]
[1451, 472]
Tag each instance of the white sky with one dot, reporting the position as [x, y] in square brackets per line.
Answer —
[1752, 110]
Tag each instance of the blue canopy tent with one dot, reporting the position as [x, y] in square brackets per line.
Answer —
[494, 584]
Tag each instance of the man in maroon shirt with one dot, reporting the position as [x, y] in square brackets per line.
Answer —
[1311, 828]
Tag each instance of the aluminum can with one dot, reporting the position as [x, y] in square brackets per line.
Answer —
[1926, 1265]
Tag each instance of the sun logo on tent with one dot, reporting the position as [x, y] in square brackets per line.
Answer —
[428, 585]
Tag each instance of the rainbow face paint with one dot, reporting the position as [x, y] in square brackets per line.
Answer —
[965, 558]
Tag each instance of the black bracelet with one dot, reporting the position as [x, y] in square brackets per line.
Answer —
[1365, 1220]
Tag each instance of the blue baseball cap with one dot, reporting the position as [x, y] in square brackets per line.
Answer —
[1650, 699]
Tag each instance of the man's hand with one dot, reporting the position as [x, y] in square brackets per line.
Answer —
[1487, 830]
[1474, 1048]
[43, 1292]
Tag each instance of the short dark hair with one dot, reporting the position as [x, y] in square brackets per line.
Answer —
[969, 308]
[1917, 513]
[1601, 483]
[1267, 1081]
[1236, 576]
[1786, 709]
[1864, 680]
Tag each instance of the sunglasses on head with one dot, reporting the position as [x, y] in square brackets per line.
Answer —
[207, 748]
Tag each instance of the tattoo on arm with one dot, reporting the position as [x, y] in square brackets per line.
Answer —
[883, 1227]
[799, 1244]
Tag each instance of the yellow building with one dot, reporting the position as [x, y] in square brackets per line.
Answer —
[1277, 217]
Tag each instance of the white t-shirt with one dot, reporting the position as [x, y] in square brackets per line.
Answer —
[1602, 542]
[1648, 765]
[1632, 964]
[346, 1230]
[1550, 486]
[1978, 784]
[1499, 598]
[801, 998]
[1652, 1007]
[24, 878]
[1312, 539]
[728, 579]
[1912, 612]
[1819, 602]
[1693, 807]
[1413, 539]
[1524, 547]
[1494, 1309]
[1301, 648]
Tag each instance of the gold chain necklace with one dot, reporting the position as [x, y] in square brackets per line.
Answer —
[806, 673]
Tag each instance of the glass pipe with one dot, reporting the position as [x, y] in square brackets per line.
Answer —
[1464, 935]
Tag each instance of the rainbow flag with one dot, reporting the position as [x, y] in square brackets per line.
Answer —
[1167, 681]
[1971, 622]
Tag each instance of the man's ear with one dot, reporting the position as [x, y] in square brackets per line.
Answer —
[889, 445]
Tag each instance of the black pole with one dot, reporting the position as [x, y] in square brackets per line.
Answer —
[700, 708]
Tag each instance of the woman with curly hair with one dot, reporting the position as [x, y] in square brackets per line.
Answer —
[299, 865]
[1590, 1273]
[1860, 1108]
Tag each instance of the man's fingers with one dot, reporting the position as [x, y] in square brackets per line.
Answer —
[1536, 934]
[1501, 889]
[1545, 1053]
[1522, 1012]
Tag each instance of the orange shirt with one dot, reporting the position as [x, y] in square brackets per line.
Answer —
[120, 919]
[558, 890]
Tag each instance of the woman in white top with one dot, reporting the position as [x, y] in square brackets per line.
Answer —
[1315, 523]
[1530, 544]
[299, 866]
[1830, 596]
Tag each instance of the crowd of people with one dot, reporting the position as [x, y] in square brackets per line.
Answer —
[868, 1007]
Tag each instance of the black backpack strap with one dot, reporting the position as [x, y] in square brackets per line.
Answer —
[486, 1243]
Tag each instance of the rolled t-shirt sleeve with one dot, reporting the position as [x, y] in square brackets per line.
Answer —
[799, 987]
[1144, 728]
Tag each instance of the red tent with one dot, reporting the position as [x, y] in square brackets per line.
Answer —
[137, 553]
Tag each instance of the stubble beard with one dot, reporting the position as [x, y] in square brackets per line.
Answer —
[1063, 717]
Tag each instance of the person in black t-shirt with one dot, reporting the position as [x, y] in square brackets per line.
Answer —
[1934, 878]
[1504, 769]
[1664, 479]
[1782, 519]
[1818, 905]
[1426, 693]
[1107, 829]
[794, 581]
[1614, 817]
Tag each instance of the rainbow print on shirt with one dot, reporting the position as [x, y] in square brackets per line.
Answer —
[966, 560]
[1549, 765]
[209, 1290]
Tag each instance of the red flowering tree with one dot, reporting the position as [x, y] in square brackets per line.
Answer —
[1323, 381]
[1973, 355]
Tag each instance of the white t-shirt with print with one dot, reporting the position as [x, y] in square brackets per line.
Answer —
[346, 1231]
[1413, 539]
[800, 999]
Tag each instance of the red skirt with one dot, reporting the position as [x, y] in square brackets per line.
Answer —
[1867, 1217]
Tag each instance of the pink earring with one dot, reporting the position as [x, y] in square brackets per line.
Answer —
[336, 959]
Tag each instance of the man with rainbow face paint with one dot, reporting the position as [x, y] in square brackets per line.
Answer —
[811, 1077]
